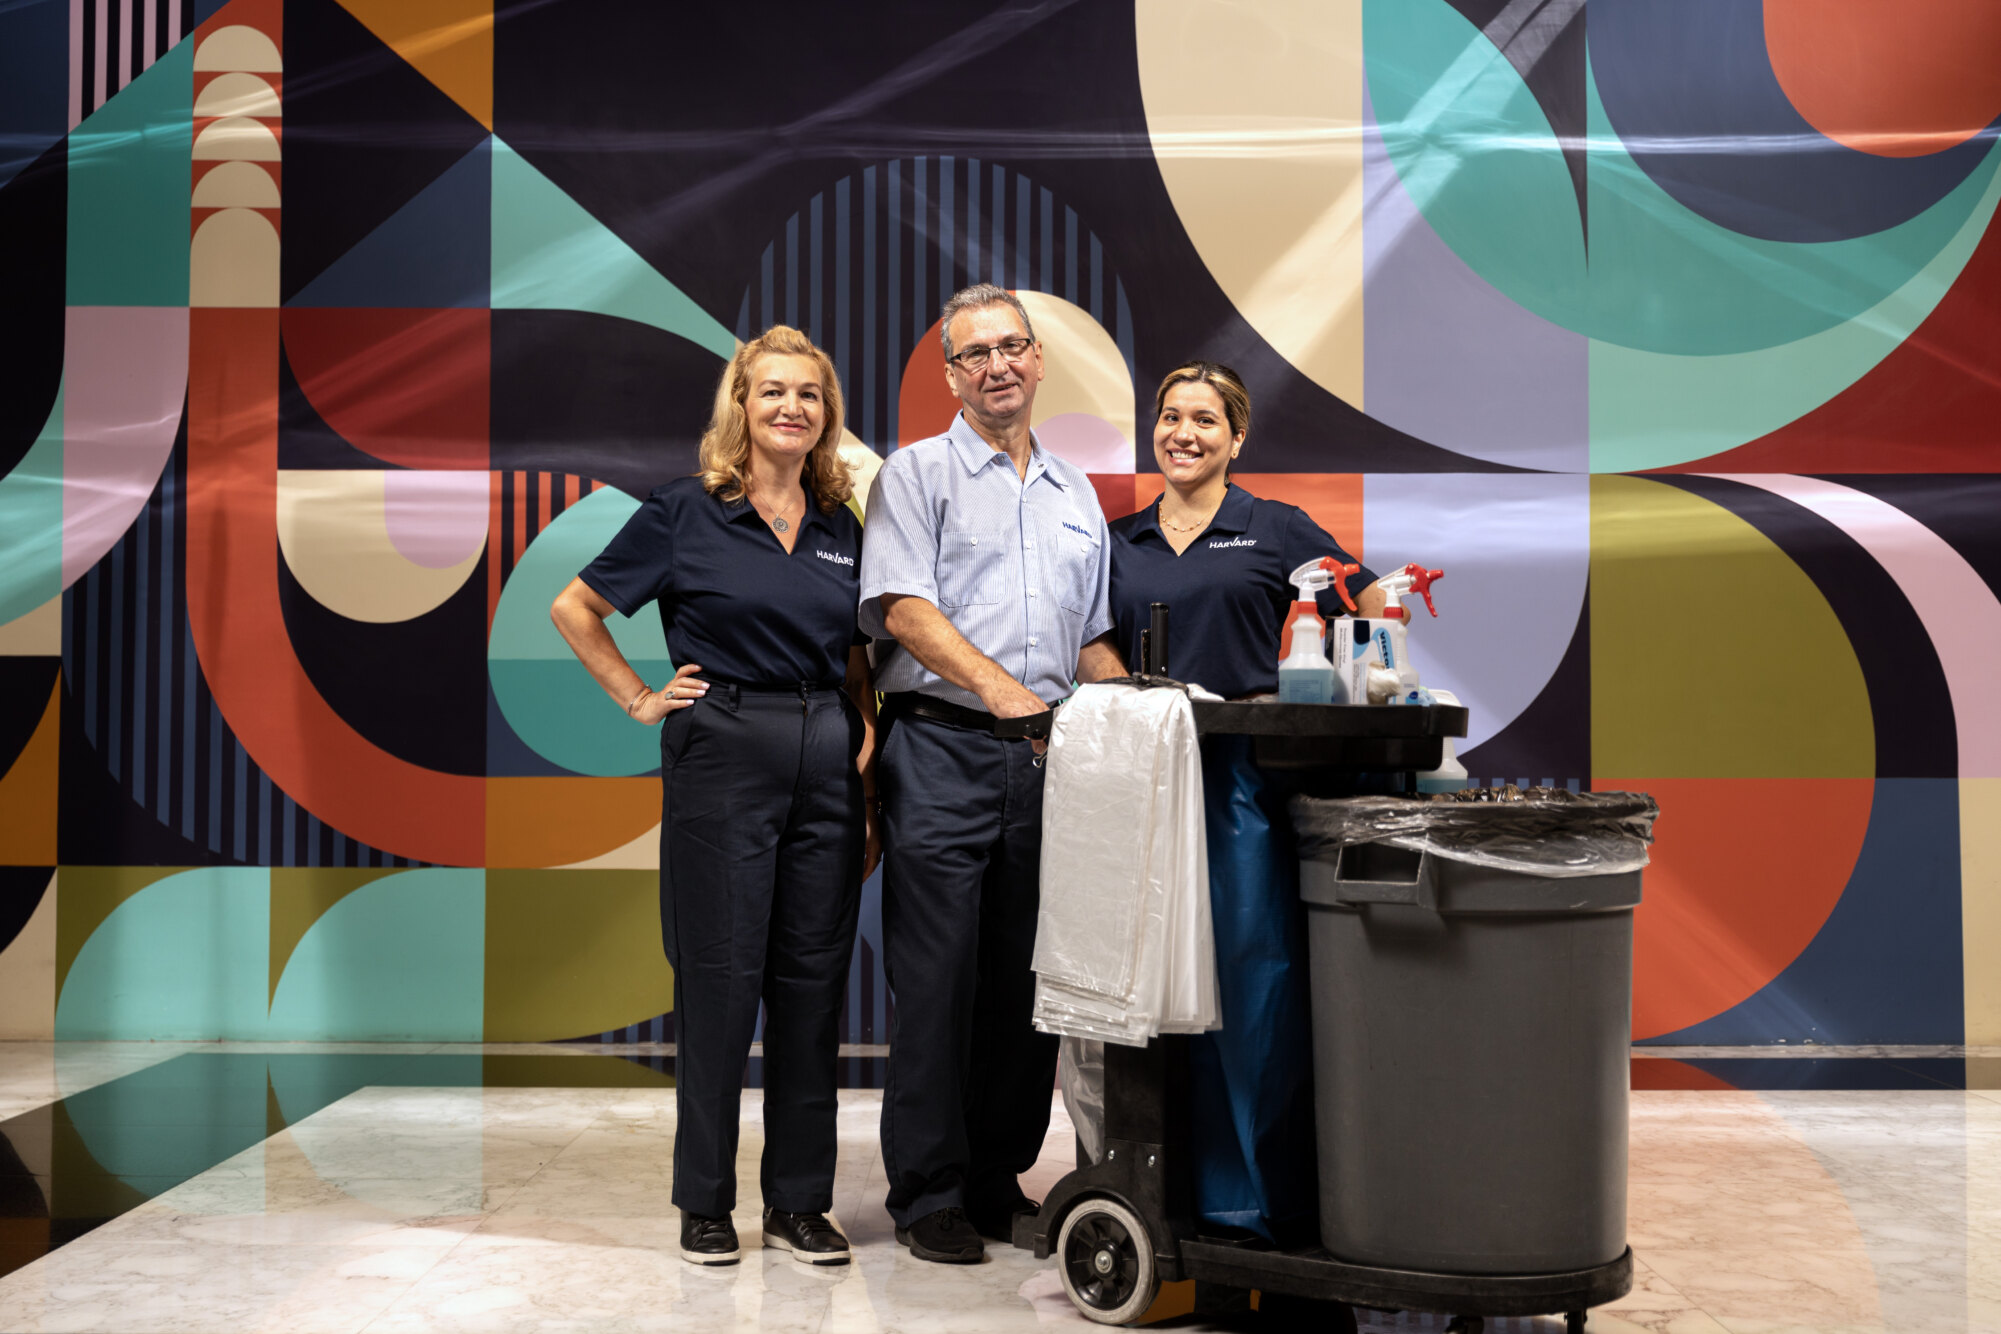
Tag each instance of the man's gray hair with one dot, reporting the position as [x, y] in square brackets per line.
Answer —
[978, 297]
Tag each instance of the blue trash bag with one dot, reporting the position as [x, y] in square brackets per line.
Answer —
[1252, 1082]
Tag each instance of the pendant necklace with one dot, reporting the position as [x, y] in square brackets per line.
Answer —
[779, 523]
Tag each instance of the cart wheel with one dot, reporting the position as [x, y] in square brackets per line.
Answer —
[1107, 1263]
[1466, 1324]
[1573, 1322]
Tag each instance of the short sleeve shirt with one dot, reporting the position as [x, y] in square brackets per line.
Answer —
[1018, 565]
[1227, 594]
[732, 599]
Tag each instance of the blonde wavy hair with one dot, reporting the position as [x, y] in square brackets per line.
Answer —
[726, 444]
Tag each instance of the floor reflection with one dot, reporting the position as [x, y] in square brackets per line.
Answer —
[507, 1188]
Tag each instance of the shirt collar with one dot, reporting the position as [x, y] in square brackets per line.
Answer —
[976, 453]
[1232, 516]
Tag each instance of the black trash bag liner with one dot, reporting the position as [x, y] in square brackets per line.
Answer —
[1539, 831]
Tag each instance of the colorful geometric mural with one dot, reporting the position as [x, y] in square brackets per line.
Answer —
[342, 332]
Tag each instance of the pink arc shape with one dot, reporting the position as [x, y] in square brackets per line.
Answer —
[436, 519]
[125, 371]
[1090, 442]
[1958, 609]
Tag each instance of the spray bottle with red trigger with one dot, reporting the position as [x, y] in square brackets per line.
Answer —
[1305, 676]
[1392, 636]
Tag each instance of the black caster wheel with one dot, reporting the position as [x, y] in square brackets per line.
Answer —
[1466, 1324]
[1573, 1322]
[1106, 1260]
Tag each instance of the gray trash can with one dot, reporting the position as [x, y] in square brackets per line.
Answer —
[1472, 1001]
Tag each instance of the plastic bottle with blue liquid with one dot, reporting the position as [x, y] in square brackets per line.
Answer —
[1305, 676]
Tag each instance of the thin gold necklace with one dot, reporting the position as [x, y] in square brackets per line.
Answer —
[1197, 527]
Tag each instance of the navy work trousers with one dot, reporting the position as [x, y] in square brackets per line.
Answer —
[760, 883]
[966, 1099]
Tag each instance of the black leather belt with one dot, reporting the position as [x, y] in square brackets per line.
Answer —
[940, 711]
[1034, 727]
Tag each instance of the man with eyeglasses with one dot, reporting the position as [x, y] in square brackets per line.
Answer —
[984, 579]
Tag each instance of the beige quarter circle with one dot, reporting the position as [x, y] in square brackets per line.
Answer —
[236, 185]
[333, 530]
[234, 261]
[1255, 117]
[863, 464]
[237, 47]
[641, 854]
[1083, 370]
[237, 95]
[237, 138]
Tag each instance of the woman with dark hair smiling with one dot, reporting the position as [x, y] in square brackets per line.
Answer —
[1219, 557]
[767, 773]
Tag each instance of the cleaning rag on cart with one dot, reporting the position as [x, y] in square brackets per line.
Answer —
[1124, 948]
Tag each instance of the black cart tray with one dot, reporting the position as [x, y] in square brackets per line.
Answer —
[1374, 738]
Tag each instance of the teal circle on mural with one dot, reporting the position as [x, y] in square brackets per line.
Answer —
[544, 693]
[1479, 159]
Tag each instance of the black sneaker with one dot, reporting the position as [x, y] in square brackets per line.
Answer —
[707, 1241]
[810, 1237]
[946, 1237]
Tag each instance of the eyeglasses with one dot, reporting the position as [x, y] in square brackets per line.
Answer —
[975, 359]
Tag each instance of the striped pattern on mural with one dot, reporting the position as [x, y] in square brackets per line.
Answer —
[112, 42]
[903, 236]
[137, 689]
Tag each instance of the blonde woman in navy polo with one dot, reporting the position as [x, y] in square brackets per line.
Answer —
[767, 774]
[1218, 556]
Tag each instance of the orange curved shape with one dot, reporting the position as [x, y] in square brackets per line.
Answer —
[555, 821]
[1896, 80]
[411, 387]
[925, 403]
[1659, 1072]
[28, 792]
[239, 628]
[1745, 872]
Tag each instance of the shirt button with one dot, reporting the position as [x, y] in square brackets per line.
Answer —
[1028, 541]
[1033, 642]
[1031, 592]
[976, 541]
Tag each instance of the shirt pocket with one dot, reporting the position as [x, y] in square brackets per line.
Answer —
[971, 564]
[1073, 563]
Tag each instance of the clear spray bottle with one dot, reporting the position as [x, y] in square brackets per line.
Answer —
[1305, 676]
[1393, 639]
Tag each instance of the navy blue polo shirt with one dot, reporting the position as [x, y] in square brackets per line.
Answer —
[1227, 595]
[731, 598]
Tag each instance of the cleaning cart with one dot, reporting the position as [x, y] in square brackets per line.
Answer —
[1421, 1120]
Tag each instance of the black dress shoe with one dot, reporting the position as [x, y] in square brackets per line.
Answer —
[707, 1241]
[946, 1237]
[998, 1224]
[810, 1237]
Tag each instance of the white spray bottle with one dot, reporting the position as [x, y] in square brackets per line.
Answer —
[1305, 676]
[1392, 636]
[1394, 642]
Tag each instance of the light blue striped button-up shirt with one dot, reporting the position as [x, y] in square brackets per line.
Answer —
[1021, 567]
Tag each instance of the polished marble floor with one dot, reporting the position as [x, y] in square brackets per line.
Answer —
[162, 1187]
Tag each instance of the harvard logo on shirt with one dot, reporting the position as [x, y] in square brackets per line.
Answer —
[1219, 543]
[838, 560]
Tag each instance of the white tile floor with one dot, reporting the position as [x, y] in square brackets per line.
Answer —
[404, 1209]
